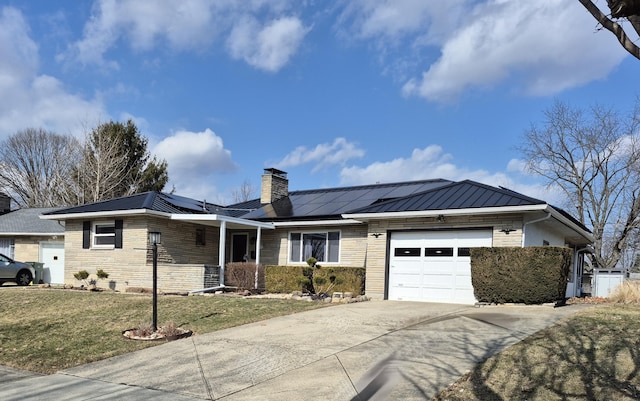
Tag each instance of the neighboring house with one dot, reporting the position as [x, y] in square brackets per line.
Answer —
[413, 238]
[27, 238]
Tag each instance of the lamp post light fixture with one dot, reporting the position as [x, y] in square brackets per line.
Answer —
[154, 239]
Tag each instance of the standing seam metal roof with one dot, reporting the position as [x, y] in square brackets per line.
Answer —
[459, 195]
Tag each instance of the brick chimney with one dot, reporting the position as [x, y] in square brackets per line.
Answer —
[275, 185]
[5, 203]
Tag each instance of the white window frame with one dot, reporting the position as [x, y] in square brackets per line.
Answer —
[301, 247]
[95, 235]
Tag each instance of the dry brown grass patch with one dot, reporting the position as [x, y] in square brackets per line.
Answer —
[626, 293]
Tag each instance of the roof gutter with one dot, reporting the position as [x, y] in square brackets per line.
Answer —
[19, 234]
[551, 212]
[111, 213]
[567, 222]
[445, 212]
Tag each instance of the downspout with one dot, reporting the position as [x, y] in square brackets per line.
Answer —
[524, 226]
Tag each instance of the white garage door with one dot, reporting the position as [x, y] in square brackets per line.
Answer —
[434, 266]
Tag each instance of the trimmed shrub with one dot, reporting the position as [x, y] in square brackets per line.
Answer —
[281, 279]
[284, 279]
[339, 279]
[531, 275]
[243, 275]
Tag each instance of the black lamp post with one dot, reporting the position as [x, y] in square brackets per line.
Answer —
[154, 238]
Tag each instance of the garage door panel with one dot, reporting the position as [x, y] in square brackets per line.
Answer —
[437, 295]
[438, 267]
[407, 280]
[408, 294]
[439, 274]
[437, 281]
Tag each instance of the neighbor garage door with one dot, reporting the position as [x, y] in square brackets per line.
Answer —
[434, 266]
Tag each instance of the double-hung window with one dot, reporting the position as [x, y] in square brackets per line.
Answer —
[104, 235]
[324, 246]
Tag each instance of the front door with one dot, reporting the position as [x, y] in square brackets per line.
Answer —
[239, 251]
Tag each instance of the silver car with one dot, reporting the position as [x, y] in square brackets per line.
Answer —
[16, 272]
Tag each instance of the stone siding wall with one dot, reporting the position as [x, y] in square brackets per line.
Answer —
[180, 261]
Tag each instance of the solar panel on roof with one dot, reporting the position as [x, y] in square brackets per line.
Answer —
[185, 203]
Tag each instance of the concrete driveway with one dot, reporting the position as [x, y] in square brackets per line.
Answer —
[326, 354]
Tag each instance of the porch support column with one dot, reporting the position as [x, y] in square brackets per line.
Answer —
[259, 234]
[221, 249]
[258, 238]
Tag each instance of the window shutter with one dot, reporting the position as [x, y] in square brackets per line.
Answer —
[86, 234]
[118, 228]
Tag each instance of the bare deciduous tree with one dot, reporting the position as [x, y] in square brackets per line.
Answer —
[593, 158]
[244, 193]
[620, 10]
[39, 168]
[36, 167]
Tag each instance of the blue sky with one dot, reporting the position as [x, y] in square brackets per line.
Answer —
[336, 93]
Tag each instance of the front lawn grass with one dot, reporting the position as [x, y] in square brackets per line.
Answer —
[593, 356]
[46, 330]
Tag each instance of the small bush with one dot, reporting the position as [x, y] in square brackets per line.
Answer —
[170, 329]
[628, 292]
[143, 330]
[102, 275]
[243, 275]
[81, 275]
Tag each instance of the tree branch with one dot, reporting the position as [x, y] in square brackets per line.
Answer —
[614, 27]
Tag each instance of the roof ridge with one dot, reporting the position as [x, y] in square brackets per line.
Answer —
[504, 190]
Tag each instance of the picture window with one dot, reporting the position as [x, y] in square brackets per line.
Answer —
[324, 246]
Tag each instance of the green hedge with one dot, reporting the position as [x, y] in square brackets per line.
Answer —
[285, 279]
[530, 275]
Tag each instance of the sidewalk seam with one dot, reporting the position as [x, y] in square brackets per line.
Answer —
[201, 370]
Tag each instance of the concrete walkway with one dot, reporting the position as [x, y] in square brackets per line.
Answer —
[328, 354]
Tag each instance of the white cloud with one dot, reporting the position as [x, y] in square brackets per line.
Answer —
[38, 101]
[194, 160]
[192, 25]
[323, 155]
[267, 47]
[388, 22]
[517, 166]
[548, 46]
